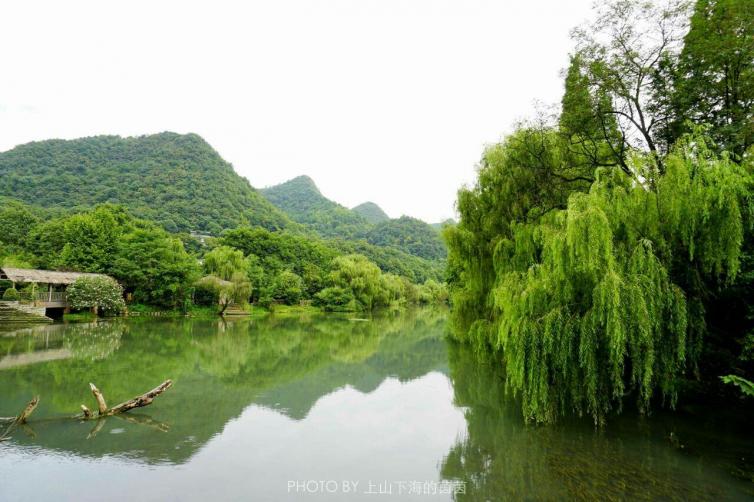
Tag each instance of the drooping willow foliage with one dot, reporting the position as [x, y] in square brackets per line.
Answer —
[593, 294]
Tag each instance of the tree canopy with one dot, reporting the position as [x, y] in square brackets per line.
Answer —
[176, 180]
[409, 234]
[598, 255]
[371, 212]
[302, 201]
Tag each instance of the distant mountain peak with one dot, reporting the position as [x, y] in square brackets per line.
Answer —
[302, 201]
[371, 212]
[302, 182]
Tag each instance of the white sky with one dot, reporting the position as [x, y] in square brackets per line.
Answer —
[384, 100]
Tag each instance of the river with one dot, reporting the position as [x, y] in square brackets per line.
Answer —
[323, 407]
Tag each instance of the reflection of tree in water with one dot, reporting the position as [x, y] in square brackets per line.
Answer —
[283, 363]
[501, 458]
[272, 351]
[93, 341]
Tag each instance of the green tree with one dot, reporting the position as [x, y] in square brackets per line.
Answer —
[629, 53]
[287, 287]
[11, 295]
[46, 241]
[602, 297]
[715, 75]
[224, 262]
[91, 239]
[336, 299]
[235, 291]
[15, 222]
[96, 292]
[362, 277]
[433, 293]
[228, 276]
[591, 136]
[154, 266]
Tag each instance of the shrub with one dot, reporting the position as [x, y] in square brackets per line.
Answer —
[206, 294]
[11, 295]
[96, 291]
[335, 299]
[287, 287]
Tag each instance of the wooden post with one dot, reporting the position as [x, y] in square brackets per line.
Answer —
[85, 410]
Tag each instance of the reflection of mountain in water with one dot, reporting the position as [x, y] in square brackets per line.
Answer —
[404, 357]
[219, 369]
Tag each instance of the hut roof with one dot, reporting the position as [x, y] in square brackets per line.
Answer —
[27, 275]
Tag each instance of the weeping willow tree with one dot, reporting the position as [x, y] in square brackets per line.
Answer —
[593, 292]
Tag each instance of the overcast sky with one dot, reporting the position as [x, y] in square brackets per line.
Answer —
[384, 100]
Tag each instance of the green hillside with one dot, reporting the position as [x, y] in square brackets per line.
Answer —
[411, 235]
[177, 180]
[302, 201]
[442, 224]
[371, 212]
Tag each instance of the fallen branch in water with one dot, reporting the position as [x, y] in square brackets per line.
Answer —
[137, 402]
[21, 418]
[86, 414]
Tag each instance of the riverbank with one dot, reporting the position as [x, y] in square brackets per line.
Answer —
[253, 311]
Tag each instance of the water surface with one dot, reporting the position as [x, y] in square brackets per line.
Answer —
[325, 408]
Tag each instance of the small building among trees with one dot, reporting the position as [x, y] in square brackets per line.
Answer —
[43, 288]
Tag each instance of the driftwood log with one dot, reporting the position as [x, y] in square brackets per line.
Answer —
[86, 414]
[21, 418]
[137, 402]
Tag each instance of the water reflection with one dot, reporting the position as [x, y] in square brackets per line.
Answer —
[219, 368]
[257, 403]
[665, 457]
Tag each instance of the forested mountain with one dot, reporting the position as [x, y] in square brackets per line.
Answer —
[414, 236]
[302, 201]
[177, 180]
[371, 212]
[182, 184]
[442, 224]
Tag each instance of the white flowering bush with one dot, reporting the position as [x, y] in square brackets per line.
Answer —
[102, 292]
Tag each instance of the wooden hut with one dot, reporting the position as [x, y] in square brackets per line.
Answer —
[52, 295]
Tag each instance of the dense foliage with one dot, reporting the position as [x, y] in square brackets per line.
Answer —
[596, 256]
[178, 181]
[244, 264]
[11, 295]
[288, 268]
[714, 80]
[355, 283]
[371, 212]
[96, 292]
[394, 261]
[151, 264]
[302, 201]
[412, 235]
[81, 195]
